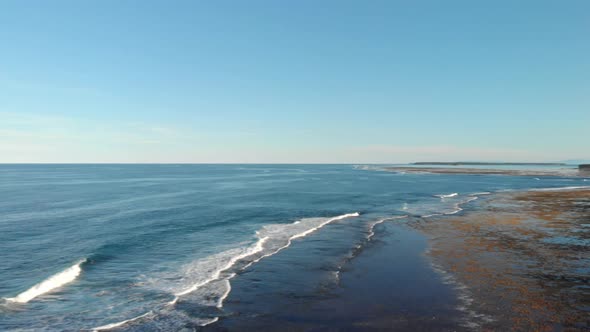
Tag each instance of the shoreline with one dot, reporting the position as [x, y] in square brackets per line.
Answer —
[432, 274]
[386, 285]
[566, 172]
[519, 258]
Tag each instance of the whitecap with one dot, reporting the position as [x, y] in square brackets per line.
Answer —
[121, 323]
[371, 232]
[561, 188]
[258, 246]
[456, 208]
[46, 286]
[210, 276]
[443, 196]
[271, 239]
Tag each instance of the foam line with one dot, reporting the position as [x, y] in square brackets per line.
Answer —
[432, 215]
[356, 214]
[55, 281]
[113, 325]
[561, 188]
[372, 227]
[311, 230]
[475, 196]
[211, 321]
[226, 293]
[457, 208]
[442, 196]
[289, 241]
[259, 246]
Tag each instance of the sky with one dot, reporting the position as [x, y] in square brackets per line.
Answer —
[294, 81]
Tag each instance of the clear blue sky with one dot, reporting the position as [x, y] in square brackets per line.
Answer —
[294, 81]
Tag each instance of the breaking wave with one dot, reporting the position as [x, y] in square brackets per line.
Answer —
[443, 196]
[207, 280]
[456, 207]
[113, 325]
[371, 232]
[560, 188]
[48, 285]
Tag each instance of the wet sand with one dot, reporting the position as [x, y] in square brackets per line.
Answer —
[488, 171]
[519, 261]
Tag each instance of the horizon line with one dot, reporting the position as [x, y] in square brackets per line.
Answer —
[557, 163]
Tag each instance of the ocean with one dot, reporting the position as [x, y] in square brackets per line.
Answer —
[223, 247]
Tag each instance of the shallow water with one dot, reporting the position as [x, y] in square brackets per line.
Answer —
[88, 246]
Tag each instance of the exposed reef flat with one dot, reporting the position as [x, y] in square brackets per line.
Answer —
[521, 258]
[487, 171]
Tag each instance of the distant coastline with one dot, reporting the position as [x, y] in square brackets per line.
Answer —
[487, 171]
[467, 163]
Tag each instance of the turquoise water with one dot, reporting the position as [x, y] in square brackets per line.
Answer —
[159, 246]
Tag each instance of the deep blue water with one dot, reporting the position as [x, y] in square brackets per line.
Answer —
[85, 246]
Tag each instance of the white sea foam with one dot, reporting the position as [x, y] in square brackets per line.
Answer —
[206, 322]
[225, 294]
[279, 232]
[313, 229]
[561, 188]
[121, 323]
[210, 276]
[481, 193]
[257, 247]
[474, 196]
[443, 196]
[372, 226]
[458, 205]
[456, 208]
[55, 281]
[271, 240]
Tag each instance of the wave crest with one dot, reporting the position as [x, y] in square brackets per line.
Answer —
[443, 196]
[55, 281]
[207, 280]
